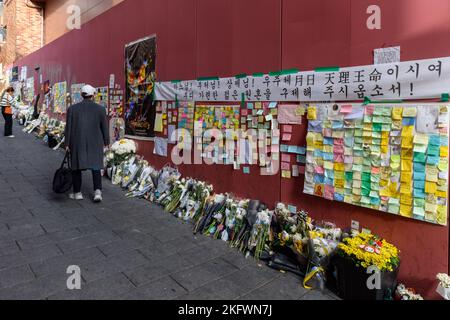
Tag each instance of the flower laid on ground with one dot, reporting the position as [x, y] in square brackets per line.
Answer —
[120, 151]
[369, 250]
[407, 293]
[444, 280]
[260, 232]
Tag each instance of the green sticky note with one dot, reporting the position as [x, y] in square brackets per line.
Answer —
[376, 140]
[433, 151]
[349, 175]
[420, 157]
[365, 176]
[393, 209]
[377, 127]
[386, 127]
[368, 118]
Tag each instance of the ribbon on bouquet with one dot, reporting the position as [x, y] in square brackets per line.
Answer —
[311, 275]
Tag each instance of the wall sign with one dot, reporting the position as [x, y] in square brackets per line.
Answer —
[420, 79]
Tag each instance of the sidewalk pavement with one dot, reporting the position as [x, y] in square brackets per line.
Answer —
[125, 248]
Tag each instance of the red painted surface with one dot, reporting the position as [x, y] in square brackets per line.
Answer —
[226, 37]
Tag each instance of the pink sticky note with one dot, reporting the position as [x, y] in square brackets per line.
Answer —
[338, 149]
[285, 158]
[375, 170]
[338, 157]
[338, 142]
[244, 112]
[286, 137]
[370, 110]
[346, 108]
[319, 170]
[285, 166]
[287, 129]
[329, 192]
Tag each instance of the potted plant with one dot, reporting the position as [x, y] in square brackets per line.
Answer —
[444, 285]
[355, 256]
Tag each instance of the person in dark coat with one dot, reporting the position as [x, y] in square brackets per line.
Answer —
[86, 136]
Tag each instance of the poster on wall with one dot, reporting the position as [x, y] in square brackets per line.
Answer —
[76, 92]
[140, 66]
[14, 75]
[59, 94]
[29, 91]
[101, 97]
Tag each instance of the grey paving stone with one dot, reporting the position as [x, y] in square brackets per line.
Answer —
[15, 275]
[38, 289]
[59, 264]
[87, 241]
[286, 287]
[102, 289]
[200, 275]
[162, 289]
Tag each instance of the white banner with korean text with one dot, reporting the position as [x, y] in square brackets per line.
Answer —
[419, 79]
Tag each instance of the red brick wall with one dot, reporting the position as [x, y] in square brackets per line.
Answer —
[24, 30]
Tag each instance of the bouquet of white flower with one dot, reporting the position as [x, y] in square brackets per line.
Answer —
[260, 232]
[444, 285]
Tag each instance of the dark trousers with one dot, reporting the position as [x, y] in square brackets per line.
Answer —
[77, 180]
[8, 123]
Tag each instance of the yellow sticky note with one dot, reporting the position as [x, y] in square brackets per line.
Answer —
[397, 113]
[384, 149]
[385, 193]
[431, 174]
[441, 217]
[164, 116]
[407, 142]
[444, 151]
[405, 210]
[405, 189]
[410, 112]
[158, 123]
[441, 194]
[407, 165]
[338, 183]
[407, 154]
[300, 111]
[393, 187]
[408, 131]
[430, 187]
[406, 199]
[430, 207]
[328, 165]
[286, 174]
[312, 113]
[339, 167]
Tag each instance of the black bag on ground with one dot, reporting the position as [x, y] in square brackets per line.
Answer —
[62, 181]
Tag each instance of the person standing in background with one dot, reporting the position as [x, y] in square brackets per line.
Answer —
[86, 136]
[7, 103]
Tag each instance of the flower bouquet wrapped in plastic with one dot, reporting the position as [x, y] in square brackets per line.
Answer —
[260, 233]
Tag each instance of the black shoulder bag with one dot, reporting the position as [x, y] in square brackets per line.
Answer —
[62, 181]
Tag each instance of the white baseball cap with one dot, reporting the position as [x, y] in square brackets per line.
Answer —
[88, 90]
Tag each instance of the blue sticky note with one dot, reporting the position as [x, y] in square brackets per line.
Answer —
[338, 197]
[292, 149]
[292, 209]
[433, 160]
[318, 153]
[284, 148]
[419, 167]
[418, 193]
[419, 176]
[273, 105]
[419, 184]
[337, 124]
[329, 173]
[318, 178]
[328, 156]
[249, 105]
[328, 181]
[409, 121]
[301, 159]
[444, 141]
[301, 150]
[315, 126]
[246, 170]
[435, 140]
[328, 141]
[375, 201]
